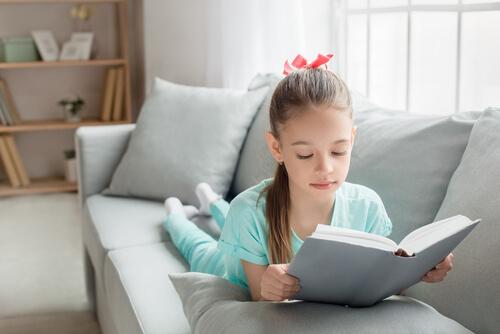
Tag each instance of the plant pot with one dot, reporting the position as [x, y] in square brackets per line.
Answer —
[70, 170]
[71, 117]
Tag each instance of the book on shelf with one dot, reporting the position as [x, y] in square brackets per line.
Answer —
[8, 164]
[109, 92]
[118, 98]
[17, 161]
[8, 105]
[3, 118]
[355, 268]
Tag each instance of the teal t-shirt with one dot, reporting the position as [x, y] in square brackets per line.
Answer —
[245, 231]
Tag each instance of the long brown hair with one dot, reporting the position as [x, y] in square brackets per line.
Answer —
[293, 95]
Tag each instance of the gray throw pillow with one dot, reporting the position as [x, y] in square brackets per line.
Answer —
[184, 136]
[408, 160]
[215, 305]
[470, 293]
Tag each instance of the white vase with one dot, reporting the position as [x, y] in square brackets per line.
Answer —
[70, 170]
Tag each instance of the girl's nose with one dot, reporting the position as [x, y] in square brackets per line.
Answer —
[324, 165]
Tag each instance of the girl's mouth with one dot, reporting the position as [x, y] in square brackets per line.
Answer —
[323, 185]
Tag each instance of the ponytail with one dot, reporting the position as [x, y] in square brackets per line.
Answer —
[277, 206]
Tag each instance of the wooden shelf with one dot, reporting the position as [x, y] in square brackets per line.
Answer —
[39, 186]
[59, 184]
[64, 63]
[57, 124]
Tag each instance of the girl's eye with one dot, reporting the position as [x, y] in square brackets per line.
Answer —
[302, 157]
[340, 153]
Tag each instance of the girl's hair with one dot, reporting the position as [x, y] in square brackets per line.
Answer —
[294, 95]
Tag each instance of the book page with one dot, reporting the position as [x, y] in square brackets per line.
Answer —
[428, 235]
[356, 237]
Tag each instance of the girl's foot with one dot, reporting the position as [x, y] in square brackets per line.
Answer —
[206, 196]
[174, 205]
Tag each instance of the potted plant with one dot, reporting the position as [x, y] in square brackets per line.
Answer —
[72, 108]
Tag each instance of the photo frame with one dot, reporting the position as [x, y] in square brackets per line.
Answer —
[84, 40]
[46, 44]
[70, 51]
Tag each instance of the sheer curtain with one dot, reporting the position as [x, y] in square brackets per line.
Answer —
[224, 43]
[247, 37]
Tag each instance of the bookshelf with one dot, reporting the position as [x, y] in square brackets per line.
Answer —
[51, 184]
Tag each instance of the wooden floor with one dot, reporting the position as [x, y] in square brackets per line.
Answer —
[56, 323]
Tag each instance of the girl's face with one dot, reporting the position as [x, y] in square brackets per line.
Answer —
[316, 150]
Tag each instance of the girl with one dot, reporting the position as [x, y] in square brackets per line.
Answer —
[311, 139]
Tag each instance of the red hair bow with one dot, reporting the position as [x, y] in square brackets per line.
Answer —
[300, 62]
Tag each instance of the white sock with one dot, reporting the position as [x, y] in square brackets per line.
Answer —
[174, 205]
[206, 196]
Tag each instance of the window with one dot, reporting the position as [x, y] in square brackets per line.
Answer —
[425, 56]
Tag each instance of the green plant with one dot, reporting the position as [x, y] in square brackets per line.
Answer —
[72, 105]
[69, 154]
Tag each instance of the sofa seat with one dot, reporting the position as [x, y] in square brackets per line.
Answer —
[114, 222]
[111, 223]
[137, 284]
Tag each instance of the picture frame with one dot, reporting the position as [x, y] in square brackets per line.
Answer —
[70, 51]
[46, 44]
[84, 40]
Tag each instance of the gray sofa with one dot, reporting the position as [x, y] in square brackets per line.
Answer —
[128, 255]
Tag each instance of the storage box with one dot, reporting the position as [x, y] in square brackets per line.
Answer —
[18, 49]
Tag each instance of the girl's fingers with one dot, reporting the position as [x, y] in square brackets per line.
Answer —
[286, 279]
[279, 286]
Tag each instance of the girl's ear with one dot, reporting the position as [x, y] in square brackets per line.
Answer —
[274, 147]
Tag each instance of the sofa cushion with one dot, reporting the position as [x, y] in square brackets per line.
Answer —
[408, 160]
[470, 293]
[137, 286]
[215, 305]
[116, 222]
[184, 136]
[255, 162]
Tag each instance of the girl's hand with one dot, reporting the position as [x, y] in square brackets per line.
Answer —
[438, 273]
[276, 284]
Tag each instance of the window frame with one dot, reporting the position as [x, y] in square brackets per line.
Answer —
[410, 8]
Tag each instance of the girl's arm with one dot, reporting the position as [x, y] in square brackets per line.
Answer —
[270, 282]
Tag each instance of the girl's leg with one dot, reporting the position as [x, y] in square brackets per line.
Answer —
[219, 209]
[211, 203]
[198, 248]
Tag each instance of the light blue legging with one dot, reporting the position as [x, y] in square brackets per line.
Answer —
[197, 247]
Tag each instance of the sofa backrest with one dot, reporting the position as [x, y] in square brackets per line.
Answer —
[470, 292]
[255, 162]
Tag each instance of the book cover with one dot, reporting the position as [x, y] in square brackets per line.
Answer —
[107, 100]
[8, 164]
[9, 103]
[118, 98]
[355, 268]
[16, 159]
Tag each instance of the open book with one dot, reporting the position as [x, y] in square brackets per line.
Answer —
[355, 268]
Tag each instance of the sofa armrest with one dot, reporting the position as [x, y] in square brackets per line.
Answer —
[99, 149]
